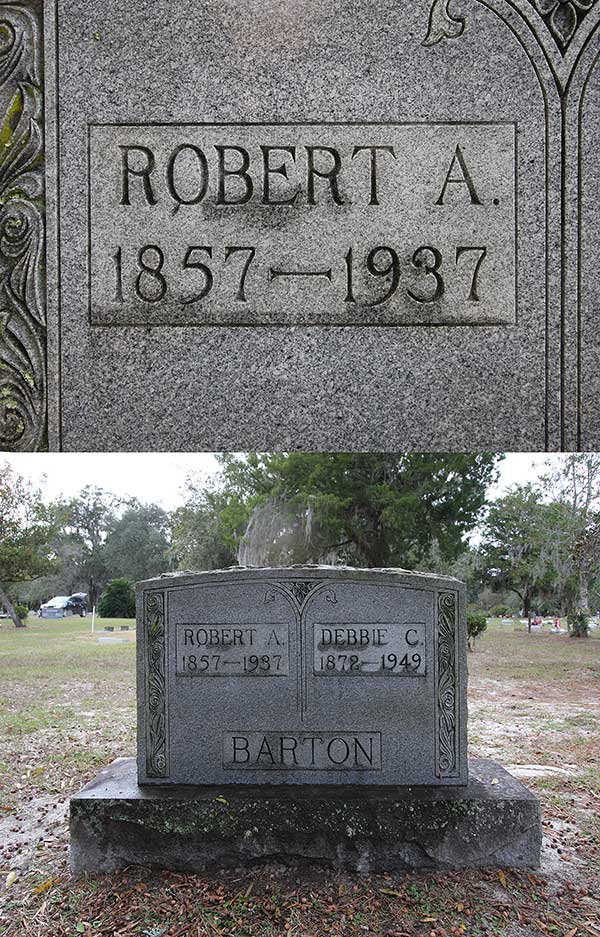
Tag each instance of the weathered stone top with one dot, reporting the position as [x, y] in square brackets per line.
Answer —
[311, 571]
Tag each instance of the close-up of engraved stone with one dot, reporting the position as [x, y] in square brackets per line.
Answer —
[326, 228]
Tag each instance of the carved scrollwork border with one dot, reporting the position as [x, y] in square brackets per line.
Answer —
[157, 743]
[446, 690]
[23, 335]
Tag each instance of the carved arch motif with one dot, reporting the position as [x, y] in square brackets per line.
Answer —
[563, 20]
[561, 41]
[298, 592]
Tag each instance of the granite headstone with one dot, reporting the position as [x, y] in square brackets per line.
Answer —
[307, 714]
[314, 675]
[308, 225]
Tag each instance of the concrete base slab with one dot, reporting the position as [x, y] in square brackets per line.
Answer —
[494, 821]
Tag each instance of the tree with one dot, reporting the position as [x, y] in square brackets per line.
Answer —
[586, 556]
[198, 538]
[25, 531]
[86, 521]
[93, 544]
[578, 622]
[371, 509]
[466, 567]
[118, 600]
[476, 625]
[516, 545]
[137, 546]
[575, 486]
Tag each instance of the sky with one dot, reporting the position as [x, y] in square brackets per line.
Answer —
[159, 477]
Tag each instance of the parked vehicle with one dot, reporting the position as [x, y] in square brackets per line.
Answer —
[78, 604]
[61, 606]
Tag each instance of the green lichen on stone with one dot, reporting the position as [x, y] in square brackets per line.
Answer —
[20, 194]
[11, 119]
[221, 819]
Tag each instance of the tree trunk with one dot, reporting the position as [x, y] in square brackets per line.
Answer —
[584, 594]
[9, 607]
[92, 593]
[373, 549]
[527, 609]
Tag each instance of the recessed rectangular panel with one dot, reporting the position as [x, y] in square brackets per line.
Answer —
[217, 650]
[296, 224]
[302, 751]
[386, 648]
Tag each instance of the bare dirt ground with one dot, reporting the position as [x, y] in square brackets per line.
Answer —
[67, 708]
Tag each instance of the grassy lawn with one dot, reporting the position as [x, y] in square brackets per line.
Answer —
[67, 707]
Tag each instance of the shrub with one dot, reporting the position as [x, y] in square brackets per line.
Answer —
[118, 600]
[500, 611]
[476, 625]
[578, 623]
[22, 611]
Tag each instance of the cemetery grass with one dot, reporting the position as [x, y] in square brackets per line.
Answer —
[67, 708]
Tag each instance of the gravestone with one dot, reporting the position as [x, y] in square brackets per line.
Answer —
[316, 712]
[316, 225]
[335, 677]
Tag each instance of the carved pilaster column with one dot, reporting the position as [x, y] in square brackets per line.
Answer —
[23, 384]
[562, 41]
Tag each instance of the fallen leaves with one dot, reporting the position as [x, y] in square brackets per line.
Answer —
[270, 901]
[44, 886]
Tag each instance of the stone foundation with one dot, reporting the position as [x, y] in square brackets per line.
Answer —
[493, 821]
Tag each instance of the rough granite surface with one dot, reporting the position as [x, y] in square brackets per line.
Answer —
[456, 322]
[494, 821]
[302, 675]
